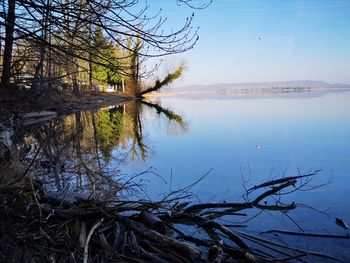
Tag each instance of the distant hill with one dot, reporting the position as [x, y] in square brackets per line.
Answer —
[278, 86]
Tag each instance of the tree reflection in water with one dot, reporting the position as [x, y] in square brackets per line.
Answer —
[83, 151]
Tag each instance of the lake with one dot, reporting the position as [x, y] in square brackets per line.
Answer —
[237, 141]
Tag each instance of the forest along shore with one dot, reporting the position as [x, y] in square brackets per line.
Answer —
[17, 102]
[19, 108]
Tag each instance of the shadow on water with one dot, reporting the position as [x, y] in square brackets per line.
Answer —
[82, 152]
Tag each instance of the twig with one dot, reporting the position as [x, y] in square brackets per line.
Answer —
[321, 235]
[186, 188]
[35, 197]
[275, 190]
[91, 232]
[282, 180]
[242, 234]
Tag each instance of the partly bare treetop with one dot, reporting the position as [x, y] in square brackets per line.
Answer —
[120, 20]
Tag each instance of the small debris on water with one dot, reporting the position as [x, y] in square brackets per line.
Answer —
[341, 223]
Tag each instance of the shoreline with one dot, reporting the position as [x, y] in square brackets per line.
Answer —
[243, 91]
[14, 103]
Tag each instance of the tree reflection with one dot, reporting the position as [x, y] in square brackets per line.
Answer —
[175, 124]
[84, 151]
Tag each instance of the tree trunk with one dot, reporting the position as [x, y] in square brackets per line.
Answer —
[9, 30]
[75, 82]
[73, 70]
[38, 75]
[90, 57]
[39, 69]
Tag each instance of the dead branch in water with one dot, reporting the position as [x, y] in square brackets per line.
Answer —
[138, 231]
[322, 235]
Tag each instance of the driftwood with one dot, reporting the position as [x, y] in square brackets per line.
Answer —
[136, 231]
[304, 234]
[37, 117]
[39, 114]
[5, 144]
[7, 130]
[86, 247]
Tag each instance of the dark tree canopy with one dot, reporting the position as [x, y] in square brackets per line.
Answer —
[55, 39]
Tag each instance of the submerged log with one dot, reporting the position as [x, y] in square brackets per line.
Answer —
[39, 114]
[152, 221]
[185, 249]
[37, 117]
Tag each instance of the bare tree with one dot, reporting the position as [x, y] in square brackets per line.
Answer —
[63, 29]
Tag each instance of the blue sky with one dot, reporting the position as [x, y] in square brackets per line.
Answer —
[300, 39]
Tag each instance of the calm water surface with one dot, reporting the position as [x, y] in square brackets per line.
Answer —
[253, 139]
[241, 140]
[258, 138]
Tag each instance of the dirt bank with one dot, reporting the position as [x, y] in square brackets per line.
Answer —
[14, 102]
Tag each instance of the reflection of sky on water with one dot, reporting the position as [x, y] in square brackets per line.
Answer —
[306, 133]
[254, 139]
